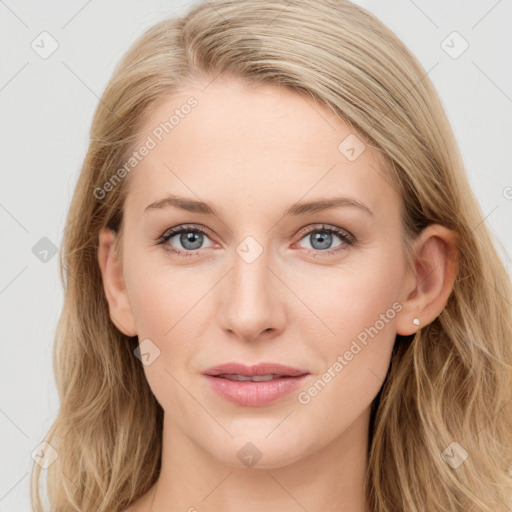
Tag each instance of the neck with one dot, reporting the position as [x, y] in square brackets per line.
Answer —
[332, 478]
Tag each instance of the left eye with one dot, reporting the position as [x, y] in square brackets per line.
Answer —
[190, 238]
[321, 239]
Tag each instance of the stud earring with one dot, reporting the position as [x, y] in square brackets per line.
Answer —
[416, 321]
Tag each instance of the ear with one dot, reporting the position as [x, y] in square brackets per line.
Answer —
[430, 278]
[113, 283]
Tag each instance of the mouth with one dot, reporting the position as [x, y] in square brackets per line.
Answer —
[254, 386]
[255, 378]
[267, 370]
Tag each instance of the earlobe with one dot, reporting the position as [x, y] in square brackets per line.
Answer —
[430, 281]
[120, 310]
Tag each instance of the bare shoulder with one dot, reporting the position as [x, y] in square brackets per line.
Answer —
[136, 506]
[142, 504]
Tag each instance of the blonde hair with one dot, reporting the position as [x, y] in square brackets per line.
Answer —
[450, 384]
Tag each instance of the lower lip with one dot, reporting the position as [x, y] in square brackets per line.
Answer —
[255, 394]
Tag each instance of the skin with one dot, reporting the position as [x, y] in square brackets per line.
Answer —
[252, 153]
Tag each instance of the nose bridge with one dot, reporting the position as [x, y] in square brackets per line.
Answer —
[250, 272]
[251, 302]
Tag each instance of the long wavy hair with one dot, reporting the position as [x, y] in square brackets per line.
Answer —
[449, 383]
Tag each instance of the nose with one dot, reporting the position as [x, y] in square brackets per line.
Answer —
[252, 300]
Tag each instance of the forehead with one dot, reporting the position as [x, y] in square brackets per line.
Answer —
[266, 145]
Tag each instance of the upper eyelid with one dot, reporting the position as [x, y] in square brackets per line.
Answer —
[327, 227]
[185, 227]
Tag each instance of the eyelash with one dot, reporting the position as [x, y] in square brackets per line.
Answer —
[347, 238]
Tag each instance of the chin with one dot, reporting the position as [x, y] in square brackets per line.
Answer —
[258, 454]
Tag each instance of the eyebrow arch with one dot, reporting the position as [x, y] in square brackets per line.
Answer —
[325, 204]
[191, 205]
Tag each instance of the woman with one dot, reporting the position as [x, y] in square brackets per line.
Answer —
[279, 290]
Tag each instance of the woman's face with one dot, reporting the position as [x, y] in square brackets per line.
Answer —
[271, 279]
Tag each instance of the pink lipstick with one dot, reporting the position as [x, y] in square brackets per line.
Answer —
[254, 386]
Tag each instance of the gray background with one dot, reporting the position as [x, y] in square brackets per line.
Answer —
[47, 107]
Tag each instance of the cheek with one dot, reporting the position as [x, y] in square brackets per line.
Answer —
[167, 313]
[163, 298]
[360, 310]
[354, 296]
[355, 361]
[171, 309]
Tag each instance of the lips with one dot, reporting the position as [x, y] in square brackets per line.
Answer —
[258, 370]
[254, 386]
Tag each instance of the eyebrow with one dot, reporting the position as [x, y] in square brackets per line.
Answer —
[191, 205]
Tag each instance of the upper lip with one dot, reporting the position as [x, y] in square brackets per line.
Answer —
[255, 370]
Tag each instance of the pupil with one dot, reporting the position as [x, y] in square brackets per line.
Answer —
[191, 238]
[324, 239]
